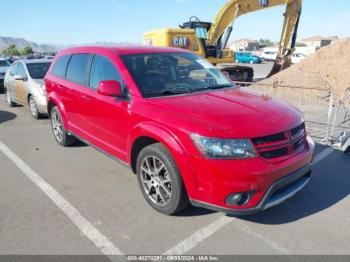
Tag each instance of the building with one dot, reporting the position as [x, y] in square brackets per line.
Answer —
[305, 50]
[244, 45]
[318, 42]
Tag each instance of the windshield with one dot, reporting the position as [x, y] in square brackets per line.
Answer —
[201, 32]
[173, 73]
[4, 63]
[38, 70]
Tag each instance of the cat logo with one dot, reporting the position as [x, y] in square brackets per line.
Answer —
[182, 42]
[264, 3]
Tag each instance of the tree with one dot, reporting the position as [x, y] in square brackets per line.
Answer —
[300, 44]
[27, 51]
[11, 50]
[266, 42]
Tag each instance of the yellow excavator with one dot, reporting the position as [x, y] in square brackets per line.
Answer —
[210, 39]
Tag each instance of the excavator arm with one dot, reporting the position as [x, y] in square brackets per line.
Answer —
[234, 8]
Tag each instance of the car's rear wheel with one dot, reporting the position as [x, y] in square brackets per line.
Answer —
[61, 135]
[160, 180]
[9, 99]
[33, 108]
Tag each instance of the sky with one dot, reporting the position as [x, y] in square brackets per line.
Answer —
[87, 21]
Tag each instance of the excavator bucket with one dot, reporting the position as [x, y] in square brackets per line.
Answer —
[280, 65]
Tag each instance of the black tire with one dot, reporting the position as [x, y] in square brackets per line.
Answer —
[33, 108]
[62, 137]
[9, 100]
[178, 199]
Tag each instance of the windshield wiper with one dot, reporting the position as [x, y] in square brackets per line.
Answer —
[172, 92]
[215, 86]
[218, 86]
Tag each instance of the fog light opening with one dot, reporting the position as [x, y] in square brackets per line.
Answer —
[239, 199]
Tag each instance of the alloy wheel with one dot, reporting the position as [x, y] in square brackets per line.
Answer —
[32, 107]
[156, 180]
[57, 126]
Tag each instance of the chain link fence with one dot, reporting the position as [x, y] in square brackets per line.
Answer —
[341, 116]
[317, 104]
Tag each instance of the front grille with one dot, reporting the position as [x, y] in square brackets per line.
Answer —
[275, 153]
[281, 144]
[269, 139]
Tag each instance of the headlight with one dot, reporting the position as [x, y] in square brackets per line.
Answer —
[224, 148]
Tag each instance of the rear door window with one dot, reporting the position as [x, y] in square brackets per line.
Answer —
[60, 66]
[77, 69]
[102, 69]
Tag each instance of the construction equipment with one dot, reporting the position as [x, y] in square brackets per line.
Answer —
[210, 39]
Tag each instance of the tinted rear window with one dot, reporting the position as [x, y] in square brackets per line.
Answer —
[77, 68]
[60, 66]
[38, 70]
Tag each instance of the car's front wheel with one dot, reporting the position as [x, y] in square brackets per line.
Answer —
[61, 135]
[160, 180]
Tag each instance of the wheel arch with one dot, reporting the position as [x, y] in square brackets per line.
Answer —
[145, 134]
[149, 133]
[137, 146]
[53, 100]
[50, 105]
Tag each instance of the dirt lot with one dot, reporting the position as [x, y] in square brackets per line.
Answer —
[329, 65]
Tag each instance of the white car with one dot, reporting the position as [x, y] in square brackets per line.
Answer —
[297, 57]
[24, 85]
[269, 56]
[4, 66]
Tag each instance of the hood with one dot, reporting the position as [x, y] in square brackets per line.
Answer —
[229, 113]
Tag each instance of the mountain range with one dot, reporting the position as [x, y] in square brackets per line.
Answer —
[20, 43]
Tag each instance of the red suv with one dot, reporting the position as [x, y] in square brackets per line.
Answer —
[189, 134]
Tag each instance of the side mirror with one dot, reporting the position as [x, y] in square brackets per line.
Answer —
[110, 88]
[20, 78]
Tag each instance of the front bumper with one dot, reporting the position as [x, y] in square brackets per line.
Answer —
[41, 104]
[268, 183]
[280, 191]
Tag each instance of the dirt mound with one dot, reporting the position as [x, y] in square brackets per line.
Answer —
[329, 65]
